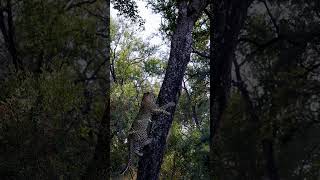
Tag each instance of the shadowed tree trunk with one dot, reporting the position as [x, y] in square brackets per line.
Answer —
[99, 166]
[226, 21]
[181, 43]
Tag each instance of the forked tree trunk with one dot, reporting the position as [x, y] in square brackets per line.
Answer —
[150, 163]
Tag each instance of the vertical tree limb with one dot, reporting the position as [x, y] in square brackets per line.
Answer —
[226, 21]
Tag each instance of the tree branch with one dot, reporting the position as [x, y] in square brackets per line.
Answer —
[273, 20]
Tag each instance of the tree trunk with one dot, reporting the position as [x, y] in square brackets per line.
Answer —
[181, 43]
[226, 21]
[99, 166]
[8, 33]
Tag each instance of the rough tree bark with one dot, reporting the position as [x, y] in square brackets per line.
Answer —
[226, 21]
[181, 43]
[99, 166]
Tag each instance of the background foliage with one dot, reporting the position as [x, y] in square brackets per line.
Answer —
[51, 107]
